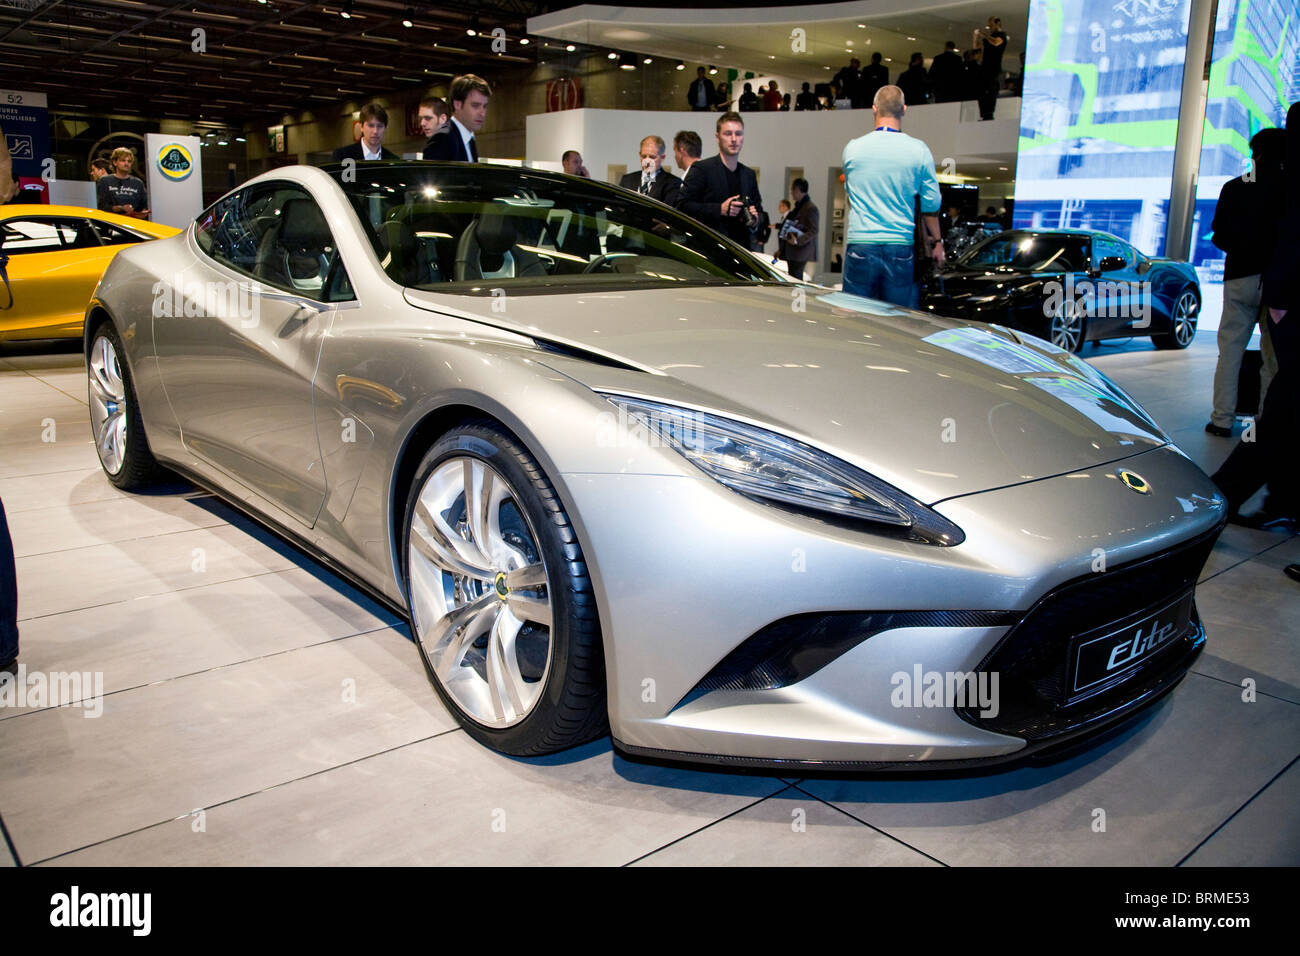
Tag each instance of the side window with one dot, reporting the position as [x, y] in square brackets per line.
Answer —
[276, 233]
[46, 234]
[111, 235]
[1103, 247]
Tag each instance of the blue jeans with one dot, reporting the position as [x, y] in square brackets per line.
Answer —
[881, 270]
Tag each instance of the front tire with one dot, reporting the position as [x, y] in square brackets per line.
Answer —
[502, 607]
[1182, 322]
[115, 415]
[1068, 328]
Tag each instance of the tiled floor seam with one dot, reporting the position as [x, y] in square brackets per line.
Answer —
[1209, 836]
[75, 398]
[728, 816]
[243, 796]
[1257, 554]
[1258, 692]
[141, 597]
[209, 670]
[884, 833]
[9, 842]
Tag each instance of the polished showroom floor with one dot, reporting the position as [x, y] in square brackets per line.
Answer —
[258, 710]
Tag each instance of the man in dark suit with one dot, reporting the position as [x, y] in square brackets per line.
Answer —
[701, 94]
[374, 121]
[720, 187]
[873, 78]
[946, 74]
[799, 231]
[651, 180]
[849, 79]
[456, 140]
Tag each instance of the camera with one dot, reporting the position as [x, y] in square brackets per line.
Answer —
[751, 221]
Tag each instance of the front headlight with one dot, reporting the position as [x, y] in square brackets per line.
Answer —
[771, 467]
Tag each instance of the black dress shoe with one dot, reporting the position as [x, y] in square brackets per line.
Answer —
[1292, 571]
[1267, 521]
[1218, 431]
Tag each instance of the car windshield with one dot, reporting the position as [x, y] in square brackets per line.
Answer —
[477, 227]
[1029, 252]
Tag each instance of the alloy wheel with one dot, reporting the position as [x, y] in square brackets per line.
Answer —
[480, 596]
[1184, 319]
[1067, 327]
[108, 407]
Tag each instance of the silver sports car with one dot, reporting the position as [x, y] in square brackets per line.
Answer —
[621, 476]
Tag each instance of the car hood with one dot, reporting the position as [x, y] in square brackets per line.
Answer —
[962, 283]
[937, 407]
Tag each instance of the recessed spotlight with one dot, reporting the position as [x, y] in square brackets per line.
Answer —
[681, 65]
[240, 139]
[570, 47]
[408, 19]
[1003, 168]
[911, 38]
[524, 41]
[611, 55]
[627, 62]
[771, 56]
[862, 26]
[346, 12]
[647, 60]
[713, 70]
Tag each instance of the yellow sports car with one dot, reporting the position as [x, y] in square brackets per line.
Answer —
[56, 255]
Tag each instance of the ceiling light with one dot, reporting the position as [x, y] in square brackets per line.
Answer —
[473, 28]
[627, 62]
[408, 19]
[346, 12]
[911, 38]
[570, 47]
[713, 70]
[647, 61]
[681, 65]
[222, 142]
[524, 41]
[612, 55]
[240, 139]
[862, 26]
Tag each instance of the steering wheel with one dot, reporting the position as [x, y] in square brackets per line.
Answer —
[606, 259]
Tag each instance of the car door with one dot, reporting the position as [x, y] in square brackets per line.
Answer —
[238, 341]
[1119, 302]
[54, 264]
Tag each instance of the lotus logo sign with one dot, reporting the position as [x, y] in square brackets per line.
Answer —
[175, 162]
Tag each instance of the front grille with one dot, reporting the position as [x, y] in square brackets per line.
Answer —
[1032, 660]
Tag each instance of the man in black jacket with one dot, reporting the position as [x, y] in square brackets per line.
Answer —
[915, 82]
[721, 191]
[1241, 228]
[456, 140]
[1269, 459]
[799, 231]
[374, 121]
[651, 180]
[946, 74]
[748, 102]
[873, 78]
[701, 94]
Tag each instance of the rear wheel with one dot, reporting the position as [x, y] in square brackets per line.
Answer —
[115, 415]
[1182, 322]
[501, 603]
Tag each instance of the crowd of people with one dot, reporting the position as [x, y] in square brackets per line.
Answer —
[974, 74]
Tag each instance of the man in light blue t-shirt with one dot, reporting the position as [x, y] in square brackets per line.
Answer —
[884, 172]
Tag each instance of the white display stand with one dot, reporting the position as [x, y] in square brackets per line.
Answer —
[175, 178]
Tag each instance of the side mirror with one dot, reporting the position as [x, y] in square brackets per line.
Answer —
[1111, 263]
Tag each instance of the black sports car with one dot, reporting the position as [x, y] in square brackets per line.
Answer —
[1070, 286]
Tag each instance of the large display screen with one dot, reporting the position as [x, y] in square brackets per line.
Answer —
[1254, 77]
[1099, 118]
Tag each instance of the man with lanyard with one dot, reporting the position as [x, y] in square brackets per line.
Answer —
[884, 173]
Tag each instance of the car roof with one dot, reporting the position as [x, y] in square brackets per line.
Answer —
[22, 210]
